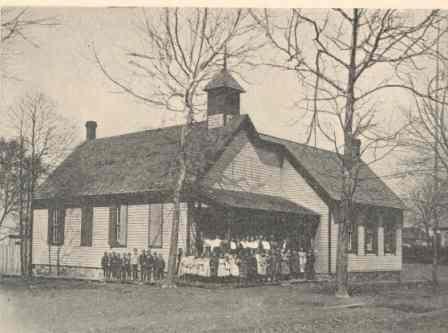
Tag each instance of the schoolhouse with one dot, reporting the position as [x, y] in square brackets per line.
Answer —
[115, 193]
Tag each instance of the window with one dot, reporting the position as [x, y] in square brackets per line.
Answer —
[390, 233]
[86, 226]
[118, 230]
[155, 225]
[353, 238]
[56, 225]
[371, 238]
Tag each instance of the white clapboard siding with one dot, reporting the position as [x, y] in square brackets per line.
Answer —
[10, 256]
[72, 254]
[248, 172]
[334, 243]
[296, 189]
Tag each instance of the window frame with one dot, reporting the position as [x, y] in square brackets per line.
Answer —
[353, 230]
[89, 241]
[373, 227]
[150, 236]
[390, 228]
[118, 224]
[57, 225]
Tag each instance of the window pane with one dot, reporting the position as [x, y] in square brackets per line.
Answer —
[123, 225]
[389, 238]
[86, 226]
[370, 238]
[155, 225]
[55, 226]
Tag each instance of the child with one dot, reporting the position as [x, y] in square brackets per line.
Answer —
[128, 267]
[294, 265]
[269, 266]
[149, 265]
[113, 265]
[244, 267]
[123, 264]
[134, 265]
[310, 259]
[161, 266]
[104, 265]
[142, 262]
[155, 265]
[109, 267]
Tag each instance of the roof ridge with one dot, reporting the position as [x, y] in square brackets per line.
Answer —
[142, 131]
[299, 143]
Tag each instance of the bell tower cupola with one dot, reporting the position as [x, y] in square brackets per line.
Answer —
[223, 97]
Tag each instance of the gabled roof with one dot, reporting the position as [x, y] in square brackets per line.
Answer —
[325, 168]
[223, 79]
[256, 201]
[144, 162]
[134, 163]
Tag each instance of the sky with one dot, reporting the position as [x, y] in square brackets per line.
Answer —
[62, 67]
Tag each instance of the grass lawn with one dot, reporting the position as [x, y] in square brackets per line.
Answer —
[73, 306]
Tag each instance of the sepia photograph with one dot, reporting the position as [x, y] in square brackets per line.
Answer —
[223, 167]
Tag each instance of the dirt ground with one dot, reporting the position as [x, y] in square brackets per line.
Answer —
[80, 306]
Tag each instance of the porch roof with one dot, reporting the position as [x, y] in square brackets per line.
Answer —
[256, 201]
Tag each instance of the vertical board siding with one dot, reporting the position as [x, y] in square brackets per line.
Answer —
[72, 254]
[244, 167]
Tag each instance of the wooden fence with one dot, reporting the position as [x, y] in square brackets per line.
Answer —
[10, 257]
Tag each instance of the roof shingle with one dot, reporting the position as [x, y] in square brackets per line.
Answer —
[223, 79]
[326, 168]
[132, 163]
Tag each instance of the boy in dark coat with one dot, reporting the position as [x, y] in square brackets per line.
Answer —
[161, 266]
[105, 265]
[142, 262]
[310, 259]
[122, 266]
[149, 265]
[113, 265]
[155, 266]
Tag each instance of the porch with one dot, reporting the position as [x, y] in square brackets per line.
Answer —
[230, 228]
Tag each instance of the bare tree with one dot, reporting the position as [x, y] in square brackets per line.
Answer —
[9, 157]
[429, 204]
[183, 49]
[17, 24]
[426, 139]
[334, 53]
[45, 137]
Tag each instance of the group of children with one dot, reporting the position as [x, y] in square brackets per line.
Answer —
[275, 265]
[260, 260]
[143, 267]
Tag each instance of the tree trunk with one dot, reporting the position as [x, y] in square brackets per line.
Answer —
[342, 258]
[22, 226]
[172, 257]
[435, 258]
[182, 162]
[348, 181]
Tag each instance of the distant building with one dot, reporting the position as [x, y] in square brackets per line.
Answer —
[114, 193]
[414, 236]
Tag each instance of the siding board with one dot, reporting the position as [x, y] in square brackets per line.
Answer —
[244, 167]
[72, 254]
